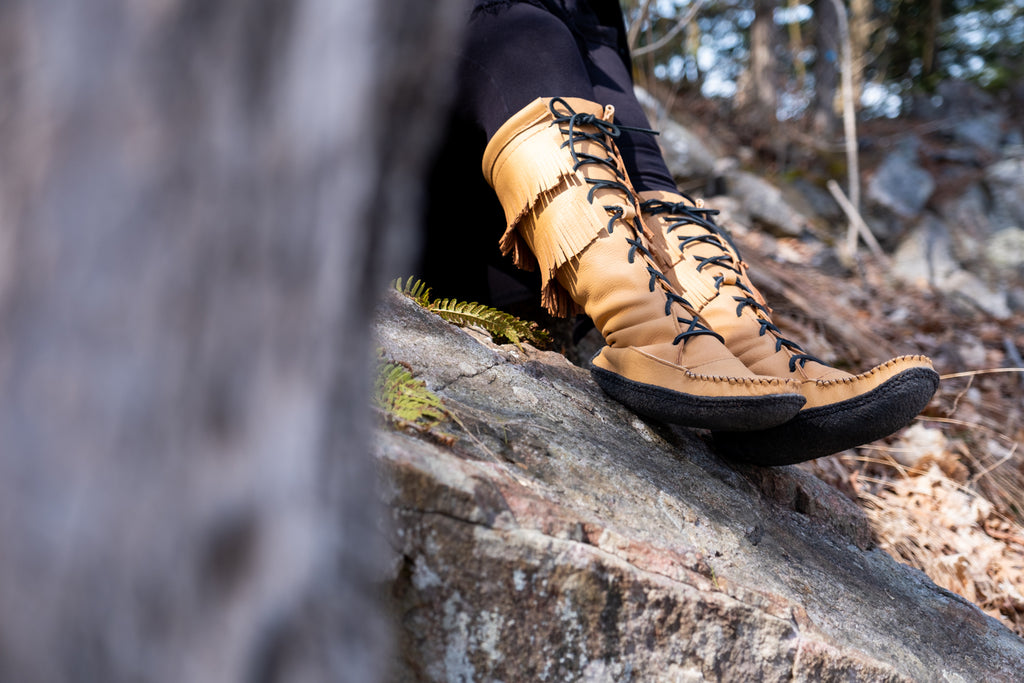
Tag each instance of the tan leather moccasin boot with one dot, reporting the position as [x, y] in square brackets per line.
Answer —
[571, 211]
[842, 410]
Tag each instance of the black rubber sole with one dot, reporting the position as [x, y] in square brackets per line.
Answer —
[817, 432]
[702, 412]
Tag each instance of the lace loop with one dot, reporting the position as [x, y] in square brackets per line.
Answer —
[694, 328]
[767, 326]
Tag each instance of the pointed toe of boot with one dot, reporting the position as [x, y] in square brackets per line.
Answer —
[868, 407]
[661, 391]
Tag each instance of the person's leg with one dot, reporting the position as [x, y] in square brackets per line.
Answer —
[513, 54]
[613, 85]
[521, 55]
[571, 212]
[516, 52]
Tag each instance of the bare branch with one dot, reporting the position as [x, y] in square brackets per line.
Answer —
[634, 28]
[691, 13]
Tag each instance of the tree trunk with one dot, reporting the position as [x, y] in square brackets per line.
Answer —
[198, 204]
[825, 117]
[759, 93]
[861, 29]
[931, 39]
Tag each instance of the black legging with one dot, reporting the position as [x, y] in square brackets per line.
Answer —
[515, 52]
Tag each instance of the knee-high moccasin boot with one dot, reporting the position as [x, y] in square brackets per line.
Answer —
[572, 211]
[842, 410]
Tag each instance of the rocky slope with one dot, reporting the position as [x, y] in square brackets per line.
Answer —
[944, 195]
[942, 190]
[559, 537]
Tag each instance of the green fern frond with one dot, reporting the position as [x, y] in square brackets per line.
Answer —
[416, 290]
[498, 324]
[403, 397]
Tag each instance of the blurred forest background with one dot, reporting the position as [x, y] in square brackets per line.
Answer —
[915, 110]
[774, 66]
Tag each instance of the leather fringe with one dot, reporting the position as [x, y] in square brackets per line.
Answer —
[554, 221]
[549, 219]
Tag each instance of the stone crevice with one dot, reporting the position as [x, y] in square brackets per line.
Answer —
[463, 376]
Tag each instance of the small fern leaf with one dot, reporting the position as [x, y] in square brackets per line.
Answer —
[463, 313]
[498, 324]
[526, 331]
[471, 314]
[414, 289]
[405, 398]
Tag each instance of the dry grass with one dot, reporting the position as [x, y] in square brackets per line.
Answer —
[945, 495]
[923, 516]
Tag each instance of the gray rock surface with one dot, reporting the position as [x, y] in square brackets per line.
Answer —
[1005, 182]
[984, 131]
[562, 538]
[900, 184]
[968, 214]
[926, 258]
[686, 153]
[766, 203]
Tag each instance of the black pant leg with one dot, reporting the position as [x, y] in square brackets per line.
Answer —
[513, 52]
[512, 55]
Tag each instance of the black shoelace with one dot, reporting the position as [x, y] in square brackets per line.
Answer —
[577, 127]
[680, 214]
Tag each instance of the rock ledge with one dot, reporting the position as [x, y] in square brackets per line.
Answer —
[562, 538]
